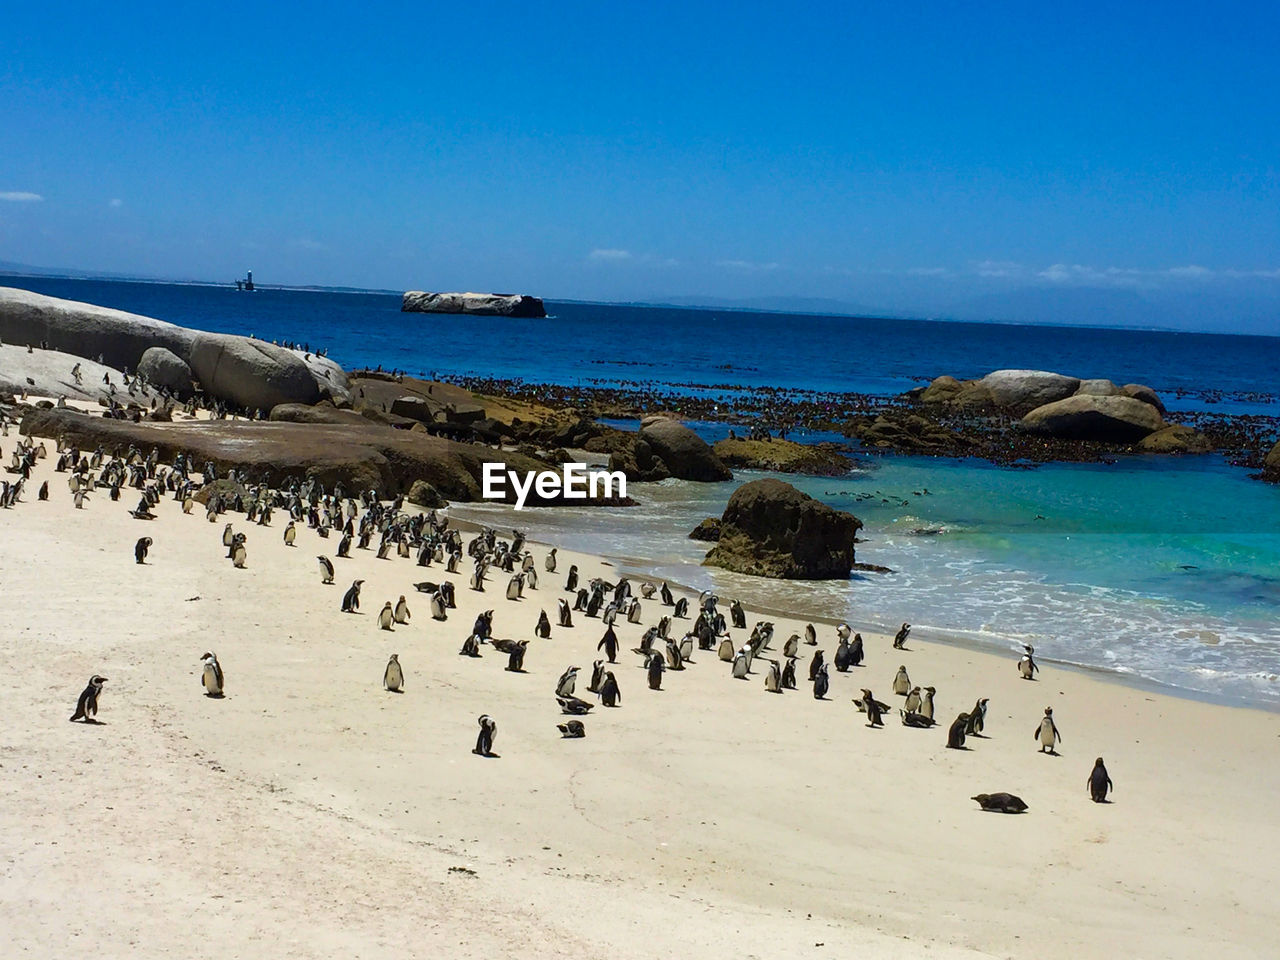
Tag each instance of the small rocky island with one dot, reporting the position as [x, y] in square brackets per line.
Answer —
[480, 304]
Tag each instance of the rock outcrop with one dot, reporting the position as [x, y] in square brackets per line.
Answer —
[1020, 391]
[251, 373]
[1175, 438]
[483, 304]
[708, 530]
[164, 368]
[1101, 419]
[909, 433]
[782, 456]
[685, 454]
[1271, 465]
[771, 529]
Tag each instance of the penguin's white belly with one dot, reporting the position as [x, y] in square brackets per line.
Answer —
[211, 680]
[1046, 734]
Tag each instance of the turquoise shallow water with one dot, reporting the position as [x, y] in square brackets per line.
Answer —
[1164, 569]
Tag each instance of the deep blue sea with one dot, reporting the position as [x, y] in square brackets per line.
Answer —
[1166, 569]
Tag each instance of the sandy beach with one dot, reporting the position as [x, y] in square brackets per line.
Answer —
[310, 813]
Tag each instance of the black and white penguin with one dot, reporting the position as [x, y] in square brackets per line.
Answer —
[550, 562]
[789, 674]
[1000, 802]
[610, 695]
[647, 590]
[597, 676]
[791, 647]
[821, 684]
[1099, 782]
[140, 549]
[401, 614]
[1027, 664]
[843, 630]
[228, 536]
[515, 656]
[393, 676]
[665, 595]
[1047, 732]
[290, 534]
[913, 701]
[900, 639]
[956, 733]
[437, 606]
[566, 616]
[810, 635]
[737, 616]
[841, 658]
[470, 647]
[902, 682]
[571, 584]
[574, 705]
[977, 718]
[43, 492]
[656, 666]
[681, 610]
[675, 659]
[87, 705]
[238, 554]
[912, 719]
[488, 734]
[926, 702]
[726, 651]
[386, 616]
[873, 708]
[572, 730]
[741, 664]
[326, 569]
[855, 651]
[211, 675]
[815, 665]
[609, 644]
[351, 599]
[515, 587]
[568, 680]
[773, 678]
[543, 628]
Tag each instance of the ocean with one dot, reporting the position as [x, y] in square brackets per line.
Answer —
[1160, 569]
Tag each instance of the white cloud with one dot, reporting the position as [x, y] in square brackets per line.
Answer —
[20, 196]
[609, 255]
[997, 268]
[930, 272]
[746, 265]
[115, 203]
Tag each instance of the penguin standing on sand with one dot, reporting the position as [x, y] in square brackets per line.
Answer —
[977, 718]
[571, 583]
[900, 639]
[855, 651]
[393, 676]
[140, 549]
[902, 682]
[821, 684]
[351, 599]
[437, 607]
[211, 675]
[815, 665]
[543, 629]
[1099, 782]
[515, 656]
[926, 702]
[290, 534]
[597, 676]
[789, 674]
[955, 735]
[567, 682]
[610, 695]
[238, 554]
[655, 667]
[609, 644]
[1047, 733]
[87, 705]
[741, 664]
[550, 562]
[488, 734]
[913, 701]
[811, 635]
[773, 678]
[1027, 664]
[386, 616]
[326, 569]
[872, 708]
[43, 493]
[401, 614]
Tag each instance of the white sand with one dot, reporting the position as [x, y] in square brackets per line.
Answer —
[312, 814]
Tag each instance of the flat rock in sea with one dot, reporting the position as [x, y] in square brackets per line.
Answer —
[483, 304]
[771, 529]
[782, 456]
[1088, 417]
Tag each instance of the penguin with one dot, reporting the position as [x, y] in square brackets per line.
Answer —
[976, 718]
[1047, 733]
[726, 651]
[737, 615]
[810, 635]
[550, 562]
[437, 607]
[488, 733]
[228, 536]
[597, 676]
[401, 614]
[393, 676]
[855, 651]
[211, 675]
[821, 684]
[87, 705]
[913, 701]
[773, 678]
[515, 658]
[792, 647]
[140, 549]
[841, 658]
[633, 612]
[290, 534]
[571, 584]
[515, 587]
[326, 569]
[1027, 665]
[900, 640]
[686, 649]
[912, 719]
[682, 608]
[741, 665]
[574, 705]
[815, 665]
[566, 616]
[873, 708]
[572, 730]
[902, 682]
[610, 696]
[647, 590]
[926, 702]
[1000, 802]
[665, 595]
[351, 599]
[609, 644]
[955, 735]
[655, 668]
[789, 674]
[384, 548]
[386, 616]
[238, 555]
[470, 647]
[543, 628]
[675, 659]
[568, 680]
[843, 630]
[43, 493]
[1099, 782]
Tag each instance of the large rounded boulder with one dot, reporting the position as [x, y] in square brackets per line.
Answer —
[771, 529]
[1020, 391]
[1094, 418]
[251, 373]
[164, 368]
[685, 455]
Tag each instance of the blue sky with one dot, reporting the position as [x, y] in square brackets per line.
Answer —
[1097, 162]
